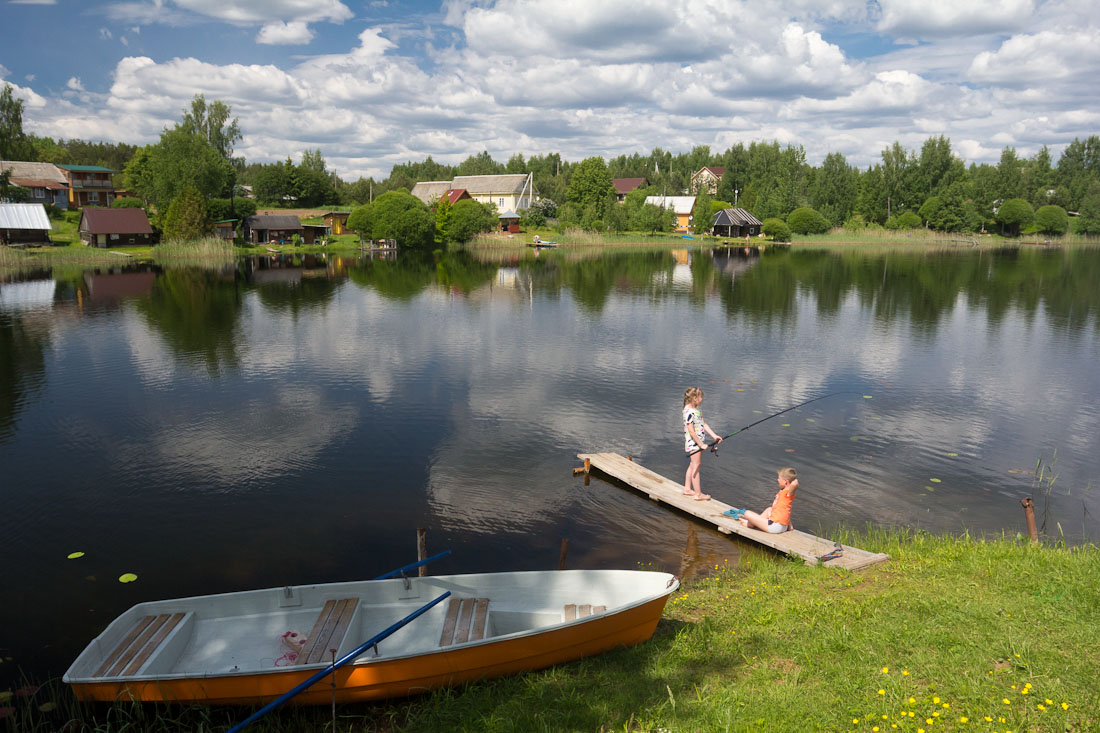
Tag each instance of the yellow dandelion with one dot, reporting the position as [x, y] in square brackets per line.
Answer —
[905, 673]
[1065, 706]
[936, 714]
[988, 719]
[1027, 685]
[936, 700]
[912, 714]
[855, 721]
[885, 717]
[1048, 701]
[875, 729]
[1005, 700]
[1041, 707]
[882, 692]
[1001, 719]
[929, 721]
[1024, 691]
[963, 719]
[912, 700]
[886, 670]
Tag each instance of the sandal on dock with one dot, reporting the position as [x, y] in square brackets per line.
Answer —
[735, 513]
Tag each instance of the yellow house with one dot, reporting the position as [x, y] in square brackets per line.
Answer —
[682, 205]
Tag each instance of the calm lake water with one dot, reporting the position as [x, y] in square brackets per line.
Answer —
[292, 421]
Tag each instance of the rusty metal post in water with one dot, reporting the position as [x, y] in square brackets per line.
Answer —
[1029, 515]
[564, 549]
[422, 549]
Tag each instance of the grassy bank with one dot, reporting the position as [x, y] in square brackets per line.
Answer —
[954, 633]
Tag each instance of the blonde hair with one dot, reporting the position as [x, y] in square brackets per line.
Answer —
[691, 393]
[788, 474]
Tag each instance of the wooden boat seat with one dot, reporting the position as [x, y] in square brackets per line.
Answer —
[575, 611]
[465, 620]
[328, 632]
[137, 646]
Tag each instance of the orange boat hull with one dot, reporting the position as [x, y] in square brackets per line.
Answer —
[366, 680]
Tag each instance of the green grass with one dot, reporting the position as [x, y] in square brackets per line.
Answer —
[950, 628]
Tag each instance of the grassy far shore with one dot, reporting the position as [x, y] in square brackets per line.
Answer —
[952, 634]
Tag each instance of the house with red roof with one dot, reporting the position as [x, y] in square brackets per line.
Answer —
[623, 186]
[115, 227]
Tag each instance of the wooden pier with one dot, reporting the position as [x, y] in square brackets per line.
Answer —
[794, 542]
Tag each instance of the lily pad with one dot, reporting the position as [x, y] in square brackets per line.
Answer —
[810, 419]
[866, 396]
[5, 695]
[928, 488]
[786, 425]
[127, 578]
[854, 438]
[75, 555]
[47, 706]
[935, 480]
[758, 412]
[953, 455]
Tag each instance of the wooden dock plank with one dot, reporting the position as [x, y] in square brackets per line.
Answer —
[465, 616]
[154, 643]
[661, 489]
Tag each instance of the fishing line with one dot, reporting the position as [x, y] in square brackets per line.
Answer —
[714, 446]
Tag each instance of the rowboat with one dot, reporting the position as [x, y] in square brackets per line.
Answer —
[250, 647]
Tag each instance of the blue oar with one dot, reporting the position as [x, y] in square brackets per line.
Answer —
[346, 659]
[412, 566]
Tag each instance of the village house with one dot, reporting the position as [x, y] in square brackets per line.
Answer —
[681, 205]
[22, 224]
[707, 179]
[89, 185]
[514, 191]
[623, 186]
[735, 223]
[336, 221]
[45, 182]
[266, 229]
[114, 227]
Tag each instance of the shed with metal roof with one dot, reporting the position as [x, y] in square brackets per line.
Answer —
[24, 224]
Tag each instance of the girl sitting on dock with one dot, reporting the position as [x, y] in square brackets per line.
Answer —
[695, 428]
[776, 519]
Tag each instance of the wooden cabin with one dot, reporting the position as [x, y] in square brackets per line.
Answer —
[336, 221]
[271, 229]
[115, 227]
[735, 223]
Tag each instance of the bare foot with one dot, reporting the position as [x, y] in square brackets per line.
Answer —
[702, 497]
[688, 493]
[744, 522]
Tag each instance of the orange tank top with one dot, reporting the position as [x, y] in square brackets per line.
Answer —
[781, 507]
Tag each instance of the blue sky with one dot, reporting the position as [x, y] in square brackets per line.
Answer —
[380, 82]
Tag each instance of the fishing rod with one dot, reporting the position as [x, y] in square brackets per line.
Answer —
[714, 446]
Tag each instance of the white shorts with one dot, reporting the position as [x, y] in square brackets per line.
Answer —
[776, 527]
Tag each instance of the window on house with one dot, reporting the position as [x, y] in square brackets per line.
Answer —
[93, 196]
[40, 193]
[500, 203]
[114, 236]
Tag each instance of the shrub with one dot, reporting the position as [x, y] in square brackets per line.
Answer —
[127, 202]
[237, 208]
[855, 223]
[777, 229]
[468, 217]
[1051, 220]
[1013, 215]
[805, 220]
[908, 220]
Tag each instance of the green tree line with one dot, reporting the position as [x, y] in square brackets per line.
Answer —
[930, 187]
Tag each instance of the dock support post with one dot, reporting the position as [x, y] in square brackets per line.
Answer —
[421, 549]
[1029, 515]
[584, 469]
[564, 549]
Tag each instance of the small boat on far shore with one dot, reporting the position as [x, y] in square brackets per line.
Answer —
[251, 647]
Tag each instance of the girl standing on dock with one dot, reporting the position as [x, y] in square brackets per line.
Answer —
[695, 428]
